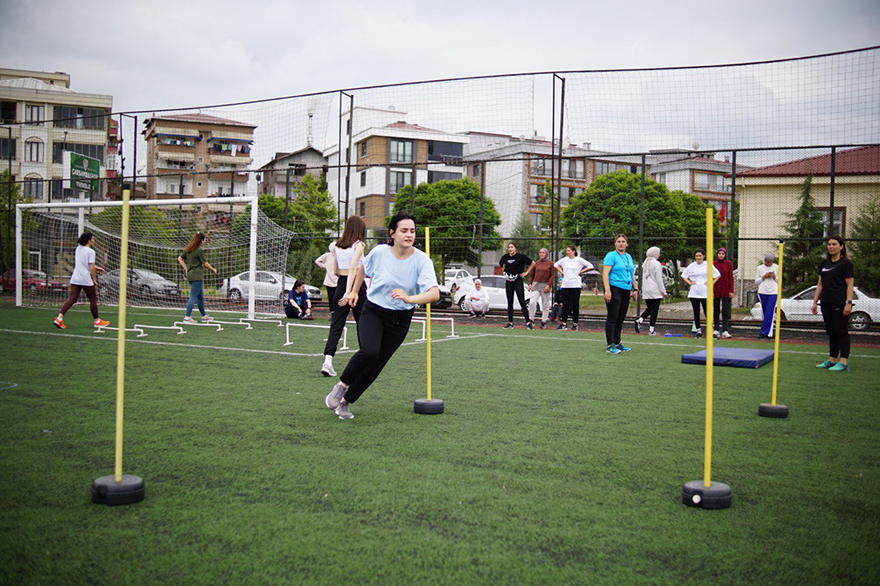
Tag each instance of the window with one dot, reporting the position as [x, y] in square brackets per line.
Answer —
[839, 225]
[33, 187]
[400, 151]
[7, 112]
[34, 114]
[661, 177]
[536, 220]
[444, 151]
[542, 166]
[74, 117]
[95, 151]
[362, 208]
[564, 195]
[33, 151]
[537, 195]
[708, 181]
[577, 169]
[399, 179]
[347, 155]
[363, 148]
[348, 127]
[7, 148]
[566, 165]
[435, 176]
[475, 170]
[363, 180]
[299, 169]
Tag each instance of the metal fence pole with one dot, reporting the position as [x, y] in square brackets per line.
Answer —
[731, 219]
[831, 231]
[559, 164]
[641, 238]
[482, 198]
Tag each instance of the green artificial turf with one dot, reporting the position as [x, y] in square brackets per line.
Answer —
[553, 463]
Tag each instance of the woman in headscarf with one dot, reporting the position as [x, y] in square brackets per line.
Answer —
[653, 289]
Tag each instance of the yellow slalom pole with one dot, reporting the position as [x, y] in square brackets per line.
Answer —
[778, 322]
[120, 344]
[428, 311]
[710, 340]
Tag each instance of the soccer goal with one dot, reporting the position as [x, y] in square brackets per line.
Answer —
[248, 250]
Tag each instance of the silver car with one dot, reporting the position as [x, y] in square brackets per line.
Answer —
[269, 285]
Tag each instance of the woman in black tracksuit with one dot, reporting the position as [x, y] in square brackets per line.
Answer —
[835, 291]
[515, 266]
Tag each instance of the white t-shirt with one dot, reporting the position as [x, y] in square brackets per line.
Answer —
[478, 296]
[769, 286]
[698, 274]
[343, 256]
[82, 276]
[570, 269]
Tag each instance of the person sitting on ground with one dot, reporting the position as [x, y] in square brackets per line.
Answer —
[299, 306]
[477, 300]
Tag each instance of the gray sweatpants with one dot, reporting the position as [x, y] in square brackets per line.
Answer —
[536, 293]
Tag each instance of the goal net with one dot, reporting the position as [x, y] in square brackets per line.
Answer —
[243, 244]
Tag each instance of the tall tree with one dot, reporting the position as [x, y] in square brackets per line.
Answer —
[452, 210]
[803, 241]
[10, 196]
[866, 252]
[527, 238]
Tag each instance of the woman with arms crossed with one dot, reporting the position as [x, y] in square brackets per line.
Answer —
[835, 291]
[619, 280]
[402, 277]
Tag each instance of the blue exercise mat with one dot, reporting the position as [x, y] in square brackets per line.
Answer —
[740, 357]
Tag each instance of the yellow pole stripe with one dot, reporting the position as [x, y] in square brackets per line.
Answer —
[710, 339]
[120, 344]
[428, 311]
[778, 323]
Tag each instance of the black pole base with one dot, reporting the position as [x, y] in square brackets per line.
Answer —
[428, 406]
[715, 496]
[768, 410]
[106, 491]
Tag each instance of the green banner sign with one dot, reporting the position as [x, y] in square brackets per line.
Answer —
[83, 172]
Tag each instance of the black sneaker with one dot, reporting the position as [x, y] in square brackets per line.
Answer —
[543, 325]
[530, 325]
[562, 326]
[509, 326]
[698, 335]
[574, 327]
[636, 325]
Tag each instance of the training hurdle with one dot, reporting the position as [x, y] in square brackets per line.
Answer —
[179, 329]
[102, 329]
[207, 324]
[424, 321]
[261, 321]
[287, 327]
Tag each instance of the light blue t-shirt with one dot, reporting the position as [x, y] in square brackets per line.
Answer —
[622, 269]
[415, 275]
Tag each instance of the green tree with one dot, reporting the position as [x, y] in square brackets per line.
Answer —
[452, 210]
[803, 245]
[8, 201]
[529, 240]
[866, 253]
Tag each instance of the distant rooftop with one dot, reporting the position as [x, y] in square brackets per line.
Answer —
[29, 83]
[201, 119]
[858, 161]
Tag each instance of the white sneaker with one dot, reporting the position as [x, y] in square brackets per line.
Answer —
[344, 411]
[726, 334]
[327, 368]
[717, 334]
[334, 397]
[188, 320]
[207, 318]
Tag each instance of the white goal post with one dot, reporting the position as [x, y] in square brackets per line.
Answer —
[242, 248]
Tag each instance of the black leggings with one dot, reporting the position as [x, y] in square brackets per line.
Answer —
[836, 326]
[340, 314]
[651, 310]
[516, 286]
[617, 308]
[381, 331]
[331, 293]
[695, 305]
[571, 298]
[74, 295]
[722, 306]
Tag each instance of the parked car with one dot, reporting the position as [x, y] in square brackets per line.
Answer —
[269, 286]
[455, 278]
[866, 309]
[445, 300]
[32, 280]
[495, 287]
[141, 282]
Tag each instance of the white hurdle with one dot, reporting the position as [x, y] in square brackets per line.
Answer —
[424, 321]
[102, 329]
[231, 323]
[201, 325]
[179, 329]
[287, 327]
[262, 321]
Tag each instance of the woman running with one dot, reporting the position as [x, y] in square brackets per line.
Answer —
[619, 280]
[697, 276]
[572, 267]
[515, 265]
[348, 252]
[192, 259]
[402, 277]
[653, 289]
[835, 291]
[83, 279]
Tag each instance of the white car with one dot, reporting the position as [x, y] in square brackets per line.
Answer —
[456, 278]
[866, 309]
[495, 287]
[269, 286]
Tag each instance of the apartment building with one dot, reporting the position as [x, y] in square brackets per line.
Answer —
[289, 168]
[197, 156]
[386, 154]
[40, 118]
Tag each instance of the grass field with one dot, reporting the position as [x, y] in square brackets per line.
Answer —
[554, 462]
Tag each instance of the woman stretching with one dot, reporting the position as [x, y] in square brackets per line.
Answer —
[697, 276]
[348, 252]
[83, 278]
[192, 259]
[835, 291]
[619, 280]
[653, 289]
[402, 277]
[515, 265]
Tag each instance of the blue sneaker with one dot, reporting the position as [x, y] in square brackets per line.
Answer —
[612, 349]
[826, 364]
[623, 348]
[839, 366]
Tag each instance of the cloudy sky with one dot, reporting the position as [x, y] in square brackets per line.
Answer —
[166, 54]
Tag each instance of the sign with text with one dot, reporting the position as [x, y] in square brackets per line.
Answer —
[83, 172]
